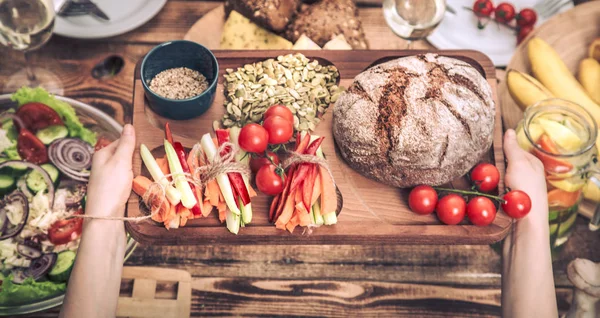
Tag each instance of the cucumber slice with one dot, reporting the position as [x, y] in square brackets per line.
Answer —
[7, 184]
[35, 181]
[14, 170]
[63, 266]
[51, 133]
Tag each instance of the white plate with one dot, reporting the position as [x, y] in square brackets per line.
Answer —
[459, 31]
[125, 15]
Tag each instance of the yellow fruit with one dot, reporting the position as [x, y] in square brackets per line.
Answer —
[561, 135]
[524, 89]
[591, 191]
[535, 131]
[552, 72]
[566, 185]
[594, 51]
[589, 77]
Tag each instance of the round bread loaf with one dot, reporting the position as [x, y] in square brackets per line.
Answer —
[423, 119]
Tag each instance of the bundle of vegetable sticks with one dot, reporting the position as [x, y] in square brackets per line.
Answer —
[230, 193]
[309, 196]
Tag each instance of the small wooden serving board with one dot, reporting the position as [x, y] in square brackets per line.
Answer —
[372, 213]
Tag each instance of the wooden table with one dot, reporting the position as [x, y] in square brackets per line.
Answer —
[298, 280]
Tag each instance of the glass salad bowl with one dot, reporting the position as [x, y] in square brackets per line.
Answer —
[103, 125]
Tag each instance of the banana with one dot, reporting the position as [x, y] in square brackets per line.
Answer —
[594, 50]
[589, 77]
[525, 90]
[552, 72]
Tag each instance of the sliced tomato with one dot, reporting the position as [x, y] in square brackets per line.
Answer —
[30, 148]
[65, 231]
[551, 164]
[36, 116]
[562, 198]
[101, 143]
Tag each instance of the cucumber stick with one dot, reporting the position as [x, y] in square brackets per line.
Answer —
[188, 198]
[317, 210]
[211, 151]
[233, 222]
[173, 195]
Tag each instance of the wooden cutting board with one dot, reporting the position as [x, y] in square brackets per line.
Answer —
[372, 213]
[570, 34]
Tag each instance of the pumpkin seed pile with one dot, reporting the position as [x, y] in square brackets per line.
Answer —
[305, 87]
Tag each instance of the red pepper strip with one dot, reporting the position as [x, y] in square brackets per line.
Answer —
[273, 208]
[184, 165]
[301, 147]
[236, 179]
[168, 134]
[286, 191]
[304, 167]
[309, 184]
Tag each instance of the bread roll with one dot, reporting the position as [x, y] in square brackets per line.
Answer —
[273, 15]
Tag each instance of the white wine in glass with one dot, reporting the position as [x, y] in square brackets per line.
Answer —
[26, 25]
[413, 20]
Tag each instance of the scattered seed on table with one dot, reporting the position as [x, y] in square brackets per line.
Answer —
[179, 83]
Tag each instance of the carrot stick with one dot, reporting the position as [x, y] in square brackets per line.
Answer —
[171, 214]
[140, 185]
[206, 208]
[328, 194]
[309, 184]
[286, 213]
[273, 207]
[212, 192]
[163, 164]
[222, 208]
[183, 221]
[316, 187]
[290, 227]
[302, 214]
[285, 193]
[251, 192]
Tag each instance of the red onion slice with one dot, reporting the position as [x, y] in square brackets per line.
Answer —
[8, 229]
[39, 169]
[18, 122]
[73, 157]
[38, 268]
[28, 251]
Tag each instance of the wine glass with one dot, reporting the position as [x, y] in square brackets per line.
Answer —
[26, 25]
[413, 20]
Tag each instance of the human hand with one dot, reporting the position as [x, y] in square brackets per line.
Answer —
[525, 172]
[112, 175]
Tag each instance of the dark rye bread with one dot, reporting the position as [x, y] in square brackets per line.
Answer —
[273, 15]
[423, 119]
[323, 20]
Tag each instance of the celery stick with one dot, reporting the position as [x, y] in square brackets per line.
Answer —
[330, 218]
[241, 156]
[172, 194]
[318, 217]
[188, 198]
[210, 150]
[233, 222]
[312, 216]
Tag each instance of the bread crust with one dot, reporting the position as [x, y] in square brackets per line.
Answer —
[273, 15]
[423, 119]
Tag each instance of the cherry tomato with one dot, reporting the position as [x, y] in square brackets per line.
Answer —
[36, 116]
[253, 138]
[504, 13]
[281, 111]
[481, 211]
[257, 162]
[526, 17]
[485, 177]
[280, 130]
[30, 148]
[451, 209]
[268, 181]
[523, 32]
[65, 231]
[101, 143]
[422, 199]
[483, 8]
[517, 204]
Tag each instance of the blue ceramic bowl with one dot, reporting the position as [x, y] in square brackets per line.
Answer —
[180, 54]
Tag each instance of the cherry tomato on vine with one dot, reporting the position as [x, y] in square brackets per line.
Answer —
[280, 130]
[253, 138]
[485, 177]
[517, 204]
[451, 209]
[268, 181]
[281, 111]
[257, 162]
[422, 199]
[481, 211]
[483, 8]
[526, 17]
[523, 32]
[504, 13]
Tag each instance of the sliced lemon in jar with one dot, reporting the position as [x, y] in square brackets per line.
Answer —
[561, 135]
[566, 185]
[535, 131]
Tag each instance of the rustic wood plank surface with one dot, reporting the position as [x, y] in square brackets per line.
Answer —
[381, 280]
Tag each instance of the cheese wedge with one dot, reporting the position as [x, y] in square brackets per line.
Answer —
[305, 43]
[239, 33]
[337, 43]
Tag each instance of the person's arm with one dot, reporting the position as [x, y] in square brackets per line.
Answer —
[94, 284]
[527, 278]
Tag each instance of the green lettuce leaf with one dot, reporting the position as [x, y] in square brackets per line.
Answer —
[66, 111]
[12, 294]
